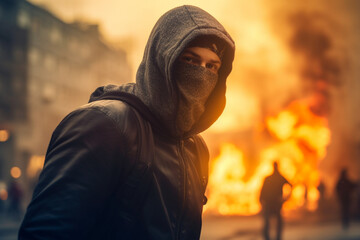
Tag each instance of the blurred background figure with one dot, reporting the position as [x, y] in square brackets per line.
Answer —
[345, 189]
[322, 201]
[272, 199]
[15, 196]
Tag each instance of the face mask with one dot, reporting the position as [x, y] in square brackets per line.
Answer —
[195, 84]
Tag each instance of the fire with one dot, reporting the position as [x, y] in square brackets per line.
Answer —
[298, 142]
[226, 184]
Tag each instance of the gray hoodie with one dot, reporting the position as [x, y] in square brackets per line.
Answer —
[155, 85]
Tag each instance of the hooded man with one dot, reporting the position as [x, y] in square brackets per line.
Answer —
[130, 164]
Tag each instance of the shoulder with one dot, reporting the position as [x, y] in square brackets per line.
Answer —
[115, 110]
[284, 179]
[267, 179]
[103, 113]
[100, 120]
[106, 129]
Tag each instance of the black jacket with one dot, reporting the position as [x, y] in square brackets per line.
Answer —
[91, 153]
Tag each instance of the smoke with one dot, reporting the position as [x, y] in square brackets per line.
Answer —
[319, 69]
[303, 50]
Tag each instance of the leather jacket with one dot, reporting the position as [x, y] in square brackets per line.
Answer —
[91, 153]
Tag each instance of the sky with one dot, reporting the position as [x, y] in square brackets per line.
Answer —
[123, 18]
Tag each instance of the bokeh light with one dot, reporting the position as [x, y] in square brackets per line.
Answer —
[4, 135]
[15, 172]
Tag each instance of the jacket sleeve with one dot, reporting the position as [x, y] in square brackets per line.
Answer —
[81, 171]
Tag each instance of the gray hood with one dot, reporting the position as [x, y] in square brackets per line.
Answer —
[155, 86]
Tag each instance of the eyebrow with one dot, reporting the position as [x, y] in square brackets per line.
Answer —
[198, 56]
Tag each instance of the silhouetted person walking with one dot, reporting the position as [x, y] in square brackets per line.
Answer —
[321, 202]
[344, 190]
[271, 198]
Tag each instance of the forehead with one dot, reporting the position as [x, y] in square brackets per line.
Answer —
[202, 53]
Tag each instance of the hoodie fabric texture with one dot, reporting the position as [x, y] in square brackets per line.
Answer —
[121, 166]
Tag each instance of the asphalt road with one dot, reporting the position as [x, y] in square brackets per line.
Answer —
[301, 227]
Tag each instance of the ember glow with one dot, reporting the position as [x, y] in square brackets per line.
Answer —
[298, 142]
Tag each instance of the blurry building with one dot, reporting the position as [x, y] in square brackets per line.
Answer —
[13, 81]
[47, 68]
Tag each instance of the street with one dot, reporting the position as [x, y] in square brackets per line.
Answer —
[310, 227]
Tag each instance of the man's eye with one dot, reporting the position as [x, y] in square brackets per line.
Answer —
[211, 66]
[188, 59]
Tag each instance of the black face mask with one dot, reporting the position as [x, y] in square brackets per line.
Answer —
[195, 84]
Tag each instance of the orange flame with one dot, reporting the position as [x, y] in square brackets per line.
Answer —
[300, 141]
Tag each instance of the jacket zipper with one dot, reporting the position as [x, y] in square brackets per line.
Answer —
[181, 215]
